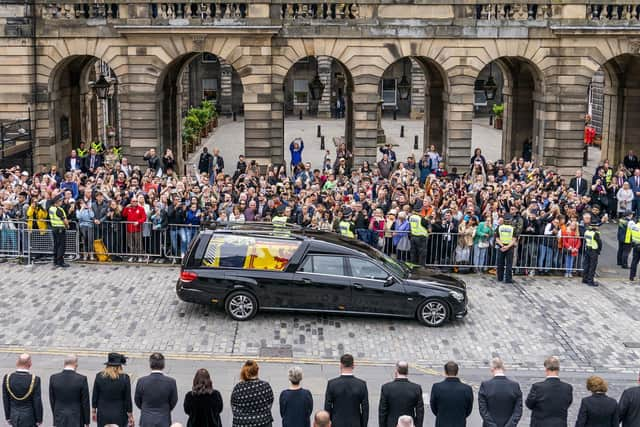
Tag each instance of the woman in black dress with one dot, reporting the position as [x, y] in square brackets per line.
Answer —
[203, 404]
[251, 399]
[111, 399]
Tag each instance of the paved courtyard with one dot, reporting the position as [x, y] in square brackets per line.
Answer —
[230, 132]
[93, 309]
[135, 308]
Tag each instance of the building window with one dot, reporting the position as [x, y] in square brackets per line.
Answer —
[208, 58]
[210, 89]
[389, 92]
[300, 92]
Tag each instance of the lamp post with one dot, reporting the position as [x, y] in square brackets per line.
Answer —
[316, 87]
[490, 86]
[102, 89]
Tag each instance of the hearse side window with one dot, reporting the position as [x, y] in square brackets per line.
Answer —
[367, 269]
[323, 264]
[248, 252]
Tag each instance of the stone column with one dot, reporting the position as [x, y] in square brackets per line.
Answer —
[565, 107]
[610, 127]
[459, 115]
[418, 96]
[226, 95]
[140, 121]
[366, 103]
[324, 72]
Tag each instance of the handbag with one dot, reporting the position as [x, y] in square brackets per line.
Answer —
[404, 244]
[483, 244]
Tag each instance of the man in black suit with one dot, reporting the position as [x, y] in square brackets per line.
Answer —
[630, 161]
[69, 396]
[400, 397]
[73, 162]
[549, 400]
[451, 400]
[347, 397]
[499, 399]
[629, 407]
[92, 162]
[156, 395]
[579, 184]
[21, 395]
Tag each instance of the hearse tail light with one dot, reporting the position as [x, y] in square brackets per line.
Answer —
[188, 276]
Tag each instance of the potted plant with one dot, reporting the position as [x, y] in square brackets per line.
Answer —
[498, 111]
[191, 129]
[202, 115]
[210, 109]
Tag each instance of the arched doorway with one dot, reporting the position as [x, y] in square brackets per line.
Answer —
[188, 81]
[79, 113]
[318, 107]
[614, 104]
[508, 109]
[414, 97]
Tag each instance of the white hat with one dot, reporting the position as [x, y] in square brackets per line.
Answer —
[25, 173]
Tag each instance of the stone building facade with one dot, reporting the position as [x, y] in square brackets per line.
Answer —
[548, 53]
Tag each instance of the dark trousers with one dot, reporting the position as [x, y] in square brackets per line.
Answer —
[58, 245]
[634, 261]
[419, 250]
[589, 266]
[623, 254]
[505, 265]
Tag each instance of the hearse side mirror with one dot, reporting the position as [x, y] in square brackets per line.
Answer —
[390, 281]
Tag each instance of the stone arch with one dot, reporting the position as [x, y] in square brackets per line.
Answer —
[338, 86]
[75, 113]
[428, 99]
[522, 95]
[621, 106]
[169, 87]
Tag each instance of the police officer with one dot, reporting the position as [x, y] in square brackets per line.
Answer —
[59, 224]
[634, 231]
[505, 241]
[21, 393]
[281, 218]
[594, 245]
[419, 232]
[624, 239]
[116, 151]
[346, 226]
[98, 146]
[82, 151]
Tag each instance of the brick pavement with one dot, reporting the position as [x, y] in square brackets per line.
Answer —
[135, 309]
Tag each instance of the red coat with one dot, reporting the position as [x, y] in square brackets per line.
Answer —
[135, 217]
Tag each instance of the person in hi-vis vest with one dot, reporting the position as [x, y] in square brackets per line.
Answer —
[505, 242]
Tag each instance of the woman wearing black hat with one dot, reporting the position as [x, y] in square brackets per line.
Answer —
[111, 400]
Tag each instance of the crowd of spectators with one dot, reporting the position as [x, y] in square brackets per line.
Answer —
[155, 210]
[346, 398]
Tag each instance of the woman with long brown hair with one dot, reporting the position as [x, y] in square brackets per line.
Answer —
[111, 399]
[203, 404]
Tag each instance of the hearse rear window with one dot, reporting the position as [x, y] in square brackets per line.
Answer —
[247, 252]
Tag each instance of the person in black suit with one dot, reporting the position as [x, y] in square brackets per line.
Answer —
[111, 398]
[597, 410]
[549, 400]
[499, 399]
[92, 162]
[73, 162]
[629, 407]
[451, 400]
[69, 396]
[630, 161]
[400, 397]
[156, 395]
[21, 395]
[347, 397]
[203, 404]
[579, 184]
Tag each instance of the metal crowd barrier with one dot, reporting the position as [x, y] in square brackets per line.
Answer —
[127, 241]
[532, 253]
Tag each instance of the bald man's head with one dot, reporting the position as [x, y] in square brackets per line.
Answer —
[322, 419]
[24, 361]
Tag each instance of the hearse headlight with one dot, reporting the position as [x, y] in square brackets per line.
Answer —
[458, 296]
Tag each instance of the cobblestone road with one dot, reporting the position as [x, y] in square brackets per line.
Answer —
[135, 309]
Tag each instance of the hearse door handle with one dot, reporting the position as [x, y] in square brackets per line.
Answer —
[358, 286]
[306, 281]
